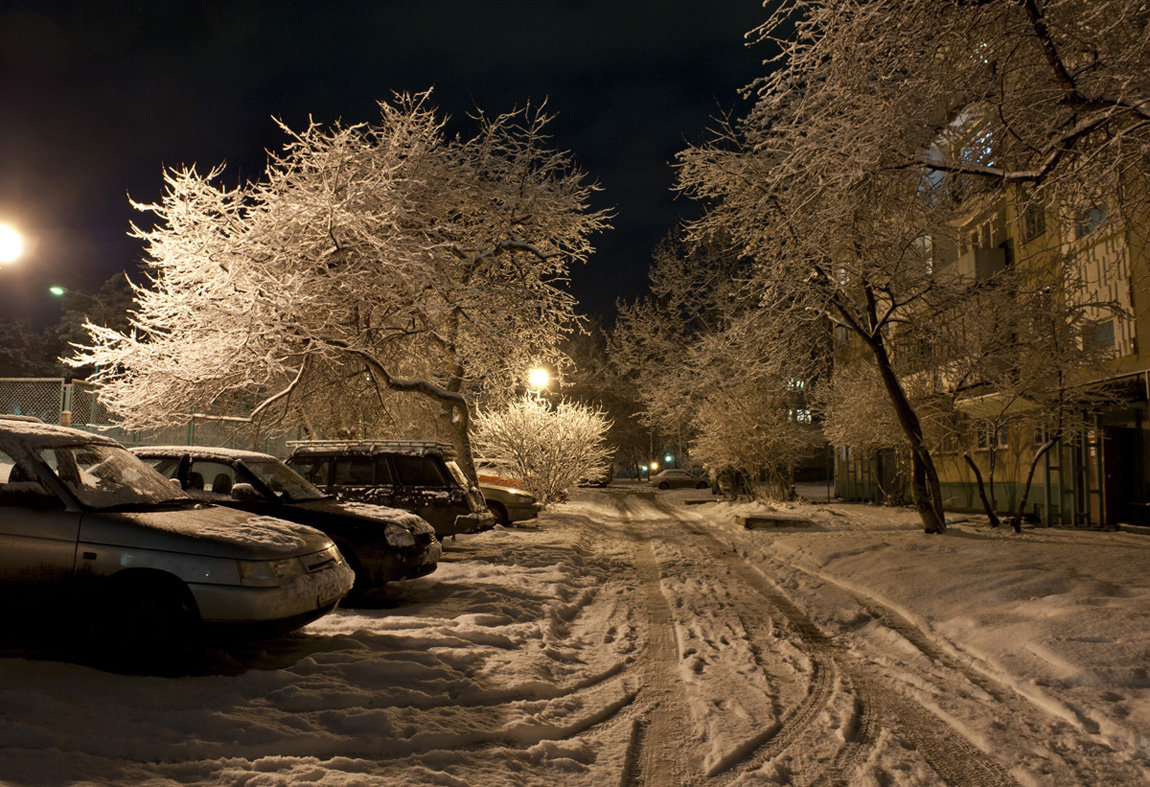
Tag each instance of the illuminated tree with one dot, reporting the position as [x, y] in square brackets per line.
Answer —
[880, 124]
[373, 258]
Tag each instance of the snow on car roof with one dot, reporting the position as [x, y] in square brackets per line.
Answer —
[199, 450]
[42, 434]
[406, 447]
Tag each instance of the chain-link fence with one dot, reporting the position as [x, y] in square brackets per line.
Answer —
[77, 404]
[39, 397]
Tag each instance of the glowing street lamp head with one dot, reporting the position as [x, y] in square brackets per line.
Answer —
[11, 244]
[538, 378]
[57, 290]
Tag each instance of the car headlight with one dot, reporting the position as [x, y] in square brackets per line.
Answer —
[399, 536]
[269, 573]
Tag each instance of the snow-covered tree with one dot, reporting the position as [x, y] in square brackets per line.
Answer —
[548, 446]
[746, 430]
[881, 124]
[711, 365]
[375, 258]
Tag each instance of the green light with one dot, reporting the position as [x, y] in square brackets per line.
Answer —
[57, 290]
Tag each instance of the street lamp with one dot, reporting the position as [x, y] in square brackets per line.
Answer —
[538, 378]
[11, 244]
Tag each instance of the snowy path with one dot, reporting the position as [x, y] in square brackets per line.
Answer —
[627, 639]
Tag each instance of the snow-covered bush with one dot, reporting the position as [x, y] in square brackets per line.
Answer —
[548, 446]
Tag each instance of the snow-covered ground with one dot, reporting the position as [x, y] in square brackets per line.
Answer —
[636, 637]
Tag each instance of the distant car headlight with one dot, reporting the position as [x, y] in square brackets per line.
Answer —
[399, 536]
[269, 573]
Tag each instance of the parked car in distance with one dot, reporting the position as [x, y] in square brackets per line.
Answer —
[421, 477]
[673, 478]
[93, 539]
[380, 544]
[508, 503]
[600, 480]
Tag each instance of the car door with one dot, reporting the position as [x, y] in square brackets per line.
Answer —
[38, 538]
[422, 485]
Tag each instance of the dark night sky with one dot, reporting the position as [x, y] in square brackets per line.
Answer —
[96, 97]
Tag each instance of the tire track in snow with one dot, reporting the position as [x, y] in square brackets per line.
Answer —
[1090, 765]
[657, 755]
[951, 756]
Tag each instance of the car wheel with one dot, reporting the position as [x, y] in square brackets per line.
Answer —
[148, 624]
[500, 514]
[664, 485]
[702, 485]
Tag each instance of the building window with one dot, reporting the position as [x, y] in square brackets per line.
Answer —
[924, 247]
[1098, 336]
[1090, 221]
[842, 334]
[987, 436]
[1032, 222]
[800, 416]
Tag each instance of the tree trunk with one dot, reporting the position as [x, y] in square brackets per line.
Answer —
[1016, 520]
[925, 486]
[987, 503]
[456, 421]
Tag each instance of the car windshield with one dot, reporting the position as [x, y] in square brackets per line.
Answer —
[108, 476]
[282, 480]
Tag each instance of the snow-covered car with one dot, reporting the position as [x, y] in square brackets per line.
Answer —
[673, 478]
[421, 477]
[600, 480]
[94, 539]
[507, 503]
[381, 544]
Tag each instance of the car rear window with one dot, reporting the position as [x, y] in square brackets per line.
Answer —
[358, 471]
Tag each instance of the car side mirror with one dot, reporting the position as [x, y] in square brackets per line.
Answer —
[246, 493]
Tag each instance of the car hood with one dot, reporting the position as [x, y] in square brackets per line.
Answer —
[352, 512]
[513, 491]
[211, 530]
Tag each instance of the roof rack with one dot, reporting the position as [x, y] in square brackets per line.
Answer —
[447, 449]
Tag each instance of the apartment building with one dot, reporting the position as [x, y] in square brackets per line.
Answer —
[1096, 474]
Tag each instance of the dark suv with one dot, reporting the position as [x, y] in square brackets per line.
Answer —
[421, 477]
